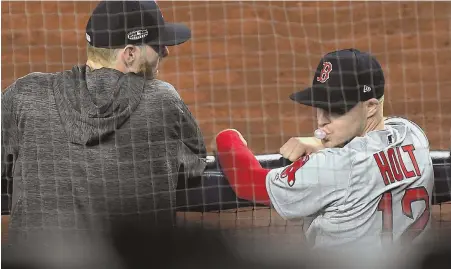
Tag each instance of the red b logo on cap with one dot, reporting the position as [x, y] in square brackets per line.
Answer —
[324, 76]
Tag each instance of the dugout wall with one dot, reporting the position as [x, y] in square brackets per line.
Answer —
[213, 193]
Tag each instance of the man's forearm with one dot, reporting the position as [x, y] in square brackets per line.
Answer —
[243, 171]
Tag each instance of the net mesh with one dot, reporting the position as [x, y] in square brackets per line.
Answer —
[245, 58]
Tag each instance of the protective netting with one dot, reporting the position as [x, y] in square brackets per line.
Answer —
[245, 58]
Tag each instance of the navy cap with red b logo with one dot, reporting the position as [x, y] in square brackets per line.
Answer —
[342, 79]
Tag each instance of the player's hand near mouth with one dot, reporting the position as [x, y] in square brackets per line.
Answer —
[297, 147]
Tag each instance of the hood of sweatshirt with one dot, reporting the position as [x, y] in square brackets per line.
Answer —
[92, 104]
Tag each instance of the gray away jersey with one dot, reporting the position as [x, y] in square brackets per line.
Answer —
[375, 190]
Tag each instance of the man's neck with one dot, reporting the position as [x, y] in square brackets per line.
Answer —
[375, 125]
[95, 66]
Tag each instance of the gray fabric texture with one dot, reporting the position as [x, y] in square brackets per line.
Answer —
[84, 148]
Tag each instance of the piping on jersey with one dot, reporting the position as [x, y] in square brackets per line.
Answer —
[245, 174]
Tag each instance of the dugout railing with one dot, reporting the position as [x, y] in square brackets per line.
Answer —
[211, 192]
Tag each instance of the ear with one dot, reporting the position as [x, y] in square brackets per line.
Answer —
[372, 107]
[129, 55]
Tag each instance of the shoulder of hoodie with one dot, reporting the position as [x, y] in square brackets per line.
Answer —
[162, 89]
[29, 87]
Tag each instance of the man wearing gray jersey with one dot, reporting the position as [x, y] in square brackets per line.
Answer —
[367, 181]
[105, 141]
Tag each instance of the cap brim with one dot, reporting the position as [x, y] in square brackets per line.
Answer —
[307, 97]
[172, 34]
[304, 97]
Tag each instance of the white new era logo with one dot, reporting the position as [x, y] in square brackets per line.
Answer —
[366, 88]
[138, 34]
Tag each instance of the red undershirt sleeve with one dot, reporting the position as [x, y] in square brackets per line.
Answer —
[243, 171]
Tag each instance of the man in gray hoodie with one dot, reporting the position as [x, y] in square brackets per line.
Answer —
[104, 142]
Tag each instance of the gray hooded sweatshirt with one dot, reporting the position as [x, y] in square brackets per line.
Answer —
[85, 148]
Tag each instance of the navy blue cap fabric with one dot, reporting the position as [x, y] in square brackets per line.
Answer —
[342, 79]
[115, 24]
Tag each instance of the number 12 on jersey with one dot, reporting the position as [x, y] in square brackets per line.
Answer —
[410, 196]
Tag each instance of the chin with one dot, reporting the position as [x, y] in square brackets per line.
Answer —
[328, 144]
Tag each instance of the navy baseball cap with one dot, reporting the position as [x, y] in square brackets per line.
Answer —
[342, 79]
[115, 24]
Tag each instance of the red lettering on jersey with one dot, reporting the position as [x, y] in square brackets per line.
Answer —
[324, 76]
[411, 195]
[395, 167]
[407, 174]
[290, 171]
[385, 205]
[409, 149]
[384, 167]
[394, 164]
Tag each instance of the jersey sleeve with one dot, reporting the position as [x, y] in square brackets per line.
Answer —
[314, 183]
